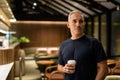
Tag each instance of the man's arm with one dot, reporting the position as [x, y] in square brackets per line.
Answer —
[60, 68]
[102, 70]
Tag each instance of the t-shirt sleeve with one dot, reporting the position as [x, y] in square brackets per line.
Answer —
[60, 58]
[99, 51]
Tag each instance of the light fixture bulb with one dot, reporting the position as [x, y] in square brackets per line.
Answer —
[35, 4]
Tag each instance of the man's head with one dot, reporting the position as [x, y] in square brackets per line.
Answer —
[76, 23]
[73, 12]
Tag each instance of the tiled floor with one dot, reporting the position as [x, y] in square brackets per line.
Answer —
[32, 72]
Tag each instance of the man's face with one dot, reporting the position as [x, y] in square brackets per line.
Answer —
[76, 24]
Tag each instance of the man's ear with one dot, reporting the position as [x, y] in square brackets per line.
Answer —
[68, 24]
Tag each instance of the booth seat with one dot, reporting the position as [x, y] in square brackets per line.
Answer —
[48, 50]
[49, 53]
[36, 53]
[31, 51]
[112, 77]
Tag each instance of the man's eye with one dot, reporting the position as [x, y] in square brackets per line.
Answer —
[74, 21]
[81, 21]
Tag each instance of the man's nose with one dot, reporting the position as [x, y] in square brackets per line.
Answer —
[78, 23]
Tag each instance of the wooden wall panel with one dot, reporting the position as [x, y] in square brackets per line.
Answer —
[42, 34]
[6, 56]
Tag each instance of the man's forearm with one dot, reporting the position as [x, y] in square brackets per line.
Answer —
[101, 75]
[60, 68]
[102, 70]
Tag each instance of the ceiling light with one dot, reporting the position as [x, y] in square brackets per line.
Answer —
[33, 7]
[35, 4]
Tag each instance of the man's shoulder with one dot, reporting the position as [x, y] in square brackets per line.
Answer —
[92, 39]
[66, 41]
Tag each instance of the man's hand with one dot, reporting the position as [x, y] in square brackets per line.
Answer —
[69, 68]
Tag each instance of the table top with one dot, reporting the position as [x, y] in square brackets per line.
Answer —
[111, 61]
[45, 62]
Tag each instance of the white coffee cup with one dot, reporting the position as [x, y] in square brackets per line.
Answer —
[73, 62]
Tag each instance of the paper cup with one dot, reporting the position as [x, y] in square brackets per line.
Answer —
[73, 62]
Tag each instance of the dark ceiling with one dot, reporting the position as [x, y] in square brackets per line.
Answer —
[57, 10]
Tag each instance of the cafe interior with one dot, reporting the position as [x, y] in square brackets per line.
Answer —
[31, 32]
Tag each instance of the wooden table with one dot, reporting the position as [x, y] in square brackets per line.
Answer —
[42, 64]
[44, 60]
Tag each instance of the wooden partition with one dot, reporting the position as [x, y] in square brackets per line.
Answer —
[40, 33]
[6, 56]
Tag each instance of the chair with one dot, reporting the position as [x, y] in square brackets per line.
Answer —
[54, 74]
[113, 67]
[21, 53]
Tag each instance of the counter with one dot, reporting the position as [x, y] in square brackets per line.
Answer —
[8, 55]
[12, 46]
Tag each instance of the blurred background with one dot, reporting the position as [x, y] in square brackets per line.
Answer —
[43, 23]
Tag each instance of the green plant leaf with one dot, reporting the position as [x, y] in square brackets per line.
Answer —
[24, 40]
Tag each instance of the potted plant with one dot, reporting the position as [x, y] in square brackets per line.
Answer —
[22, 39]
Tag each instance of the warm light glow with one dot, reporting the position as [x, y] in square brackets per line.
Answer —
[6, 32]
[42, 22]
[118, 8]
[12, 20]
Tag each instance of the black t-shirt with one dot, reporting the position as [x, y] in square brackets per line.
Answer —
[87, 52]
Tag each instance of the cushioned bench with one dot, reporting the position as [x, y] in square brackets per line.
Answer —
[113, 77]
